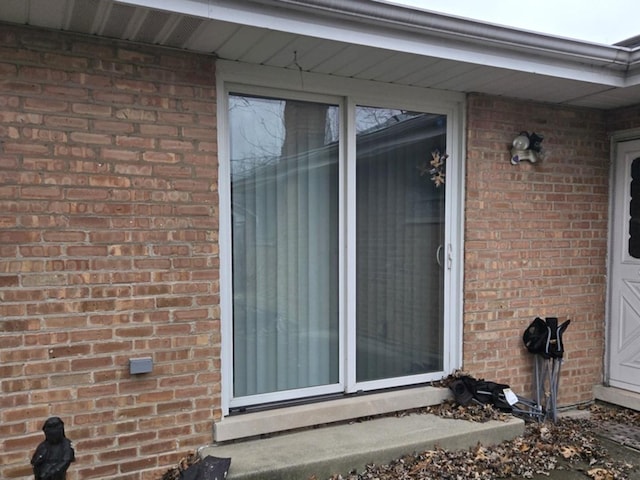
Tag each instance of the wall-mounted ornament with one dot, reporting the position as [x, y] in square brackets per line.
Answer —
[526, 147]
[435, 168]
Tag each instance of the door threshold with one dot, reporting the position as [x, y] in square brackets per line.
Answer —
[265, 422]
[617, 396]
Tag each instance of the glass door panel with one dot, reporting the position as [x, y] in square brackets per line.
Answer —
[400, 212]
[284, 195]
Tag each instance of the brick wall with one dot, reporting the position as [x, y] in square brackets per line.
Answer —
[627, 118]
[536, 241]
[108, 251]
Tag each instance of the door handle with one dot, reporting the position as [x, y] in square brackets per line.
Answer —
[449, 255]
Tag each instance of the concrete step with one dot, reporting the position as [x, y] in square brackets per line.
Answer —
[342, 448]
[617, 396]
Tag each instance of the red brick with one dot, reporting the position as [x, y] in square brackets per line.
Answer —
[136, 331]
[10, 415]
[45, 105]
[25, 148]
[119, 127]
[93, 418]
[92, 110]
[92, 363]
[130, 141]
[87, 251]
[8, 70]
[92, 138]
[68, 351]
[159, 130]
[139, 464]
[9, 280]
[95, 444]
[161, 157]
[66, 122]
[21, 325]
[19, 471]
[95, 391]
[135, 114]
[65, 91]
[59, 60]
[18, 87]
[158, 447]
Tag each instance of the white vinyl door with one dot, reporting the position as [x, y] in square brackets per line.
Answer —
[624, 323]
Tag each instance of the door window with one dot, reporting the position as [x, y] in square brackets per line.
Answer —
[634, 210]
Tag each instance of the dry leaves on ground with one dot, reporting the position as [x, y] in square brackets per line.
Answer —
[605, 413]
[542, 448]
[175, 473]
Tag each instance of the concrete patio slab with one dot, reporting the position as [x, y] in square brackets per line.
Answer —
[342, 448]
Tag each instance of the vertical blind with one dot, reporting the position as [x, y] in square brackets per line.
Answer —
[284, 193]
[400, 232]
[285, 221]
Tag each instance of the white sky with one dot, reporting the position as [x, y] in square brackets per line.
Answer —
[600, 21]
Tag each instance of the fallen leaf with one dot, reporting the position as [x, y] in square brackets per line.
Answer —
[600, 474]
[568, 452]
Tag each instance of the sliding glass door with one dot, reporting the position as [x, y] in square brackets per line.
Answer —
[338, 247]
[400, 214]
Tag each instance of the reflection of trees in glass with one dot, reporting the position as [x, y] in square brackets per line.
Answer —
[400, 223]
[257, 131]
[261, 127]
[284, 196]
[305, 126]
[371, 119]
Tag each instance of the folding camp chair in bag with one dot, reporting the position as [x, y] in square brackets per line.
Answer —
[543, 338]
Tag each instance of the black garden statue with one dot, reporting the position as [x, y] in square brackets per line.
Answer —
[54, 455]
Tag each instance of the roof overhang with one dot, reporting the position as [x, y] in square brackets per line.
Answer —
[362, 39]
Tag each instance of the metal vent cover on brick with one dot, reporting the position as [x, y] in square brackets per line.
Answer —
[183, 31]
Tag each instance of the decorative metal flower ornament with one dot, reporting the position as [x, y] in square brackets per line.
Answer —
[435, 168]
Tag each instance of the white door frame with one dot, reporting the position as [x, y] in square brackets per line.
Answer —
[451, 104]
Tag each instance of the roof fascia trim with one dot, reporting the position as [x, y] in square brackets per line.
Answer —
[438, 23]
[420, 32]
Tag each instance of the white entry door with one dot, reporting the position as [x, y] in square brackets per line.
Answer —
[624, 290]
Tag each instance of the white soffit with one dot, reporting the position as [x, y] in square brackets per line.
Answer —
[361, 39]
[380, 25]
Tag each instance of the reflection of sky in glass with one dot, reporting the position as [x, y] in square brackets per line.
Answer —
[257, 128]
[371, 118]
